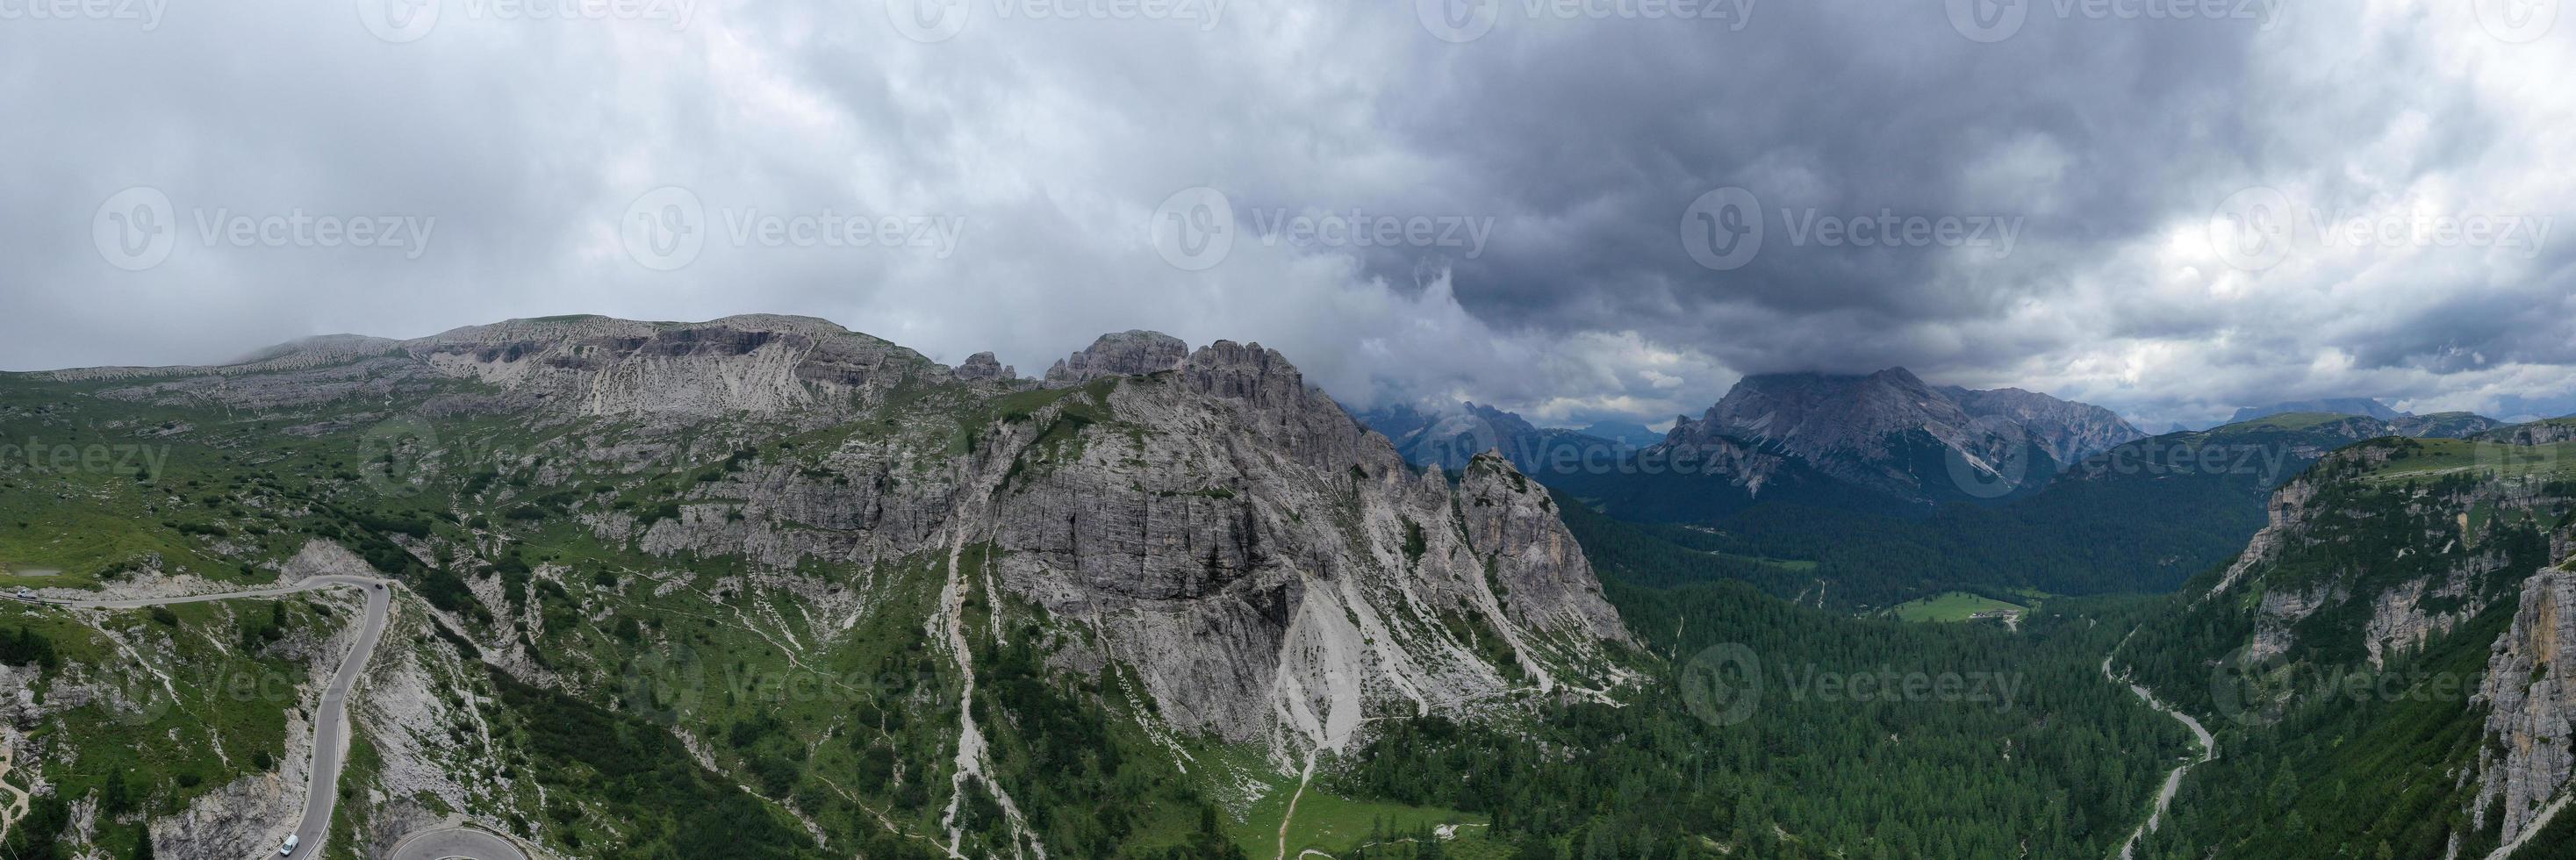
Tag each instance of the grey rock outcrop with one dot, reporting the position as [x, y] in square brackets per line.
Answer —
[1273, 571]
[2530, 692]
[1869, 430]
[2069, 431]
[2548, 432]
[1131, 353]
[983, 367]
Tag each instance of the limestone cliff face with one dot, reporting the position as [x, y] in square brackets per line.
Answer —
[2530, 693]
[2412, 541]
[2429, 564]
[2535, 433]
[755, 365]
[1133, 353]
[562, 368]
[2069, 431]
[1271, 570]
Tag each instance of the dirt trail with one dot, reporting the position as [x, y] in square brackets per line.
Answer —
[1291, 815]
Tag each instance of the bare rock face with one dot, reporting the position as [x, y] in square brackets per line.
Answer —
[1132, 353]
[2067, 430]
[983, 367]
[2287, 511]
[1843, 424]
[565, 367]
[1877, 430]
[2548, 432]
[2530, 690]
[759, 365]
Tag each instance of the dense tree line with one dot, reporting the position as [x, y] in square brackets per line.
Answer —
[2141, 518]
[2061, 766]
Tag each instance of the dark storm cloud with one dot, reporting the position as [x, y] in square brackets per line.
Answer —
[1422, 208]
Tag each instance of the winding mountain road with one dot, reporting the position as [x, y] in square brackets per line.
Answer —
[2173, 781]
[331, 719]
[456, 843]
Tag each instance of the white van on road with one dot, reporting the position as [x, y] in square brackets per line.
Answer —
[288, 849]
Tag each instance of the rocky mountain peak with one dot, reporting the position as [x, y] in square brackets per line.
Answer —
[2069, 431]
[1891, 431]
[1129, 353]
[983, 366]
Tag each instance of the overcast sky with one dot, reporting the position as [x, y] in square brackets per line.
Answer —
[1578, 209]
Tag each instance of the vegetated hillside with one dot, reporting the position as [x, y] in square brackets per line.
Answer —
[2380, 663]
[2363, 406]
[909, 609]
[139, 716]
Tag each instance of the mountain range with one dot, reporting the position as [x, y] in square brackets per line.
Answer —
[767, 587]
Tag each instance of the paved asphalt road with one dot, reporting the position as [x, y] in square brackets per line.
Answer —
[454, 843]
[331, 720]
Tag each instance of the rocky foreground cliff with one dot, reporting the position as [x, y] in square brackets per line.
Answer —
[2390, 641]
[778, 545]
